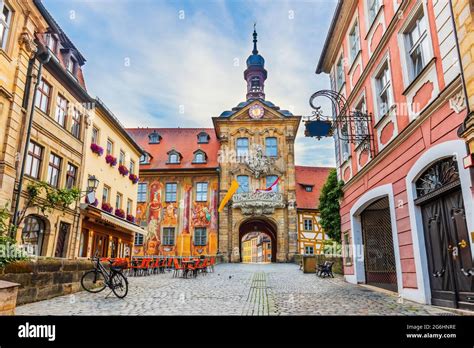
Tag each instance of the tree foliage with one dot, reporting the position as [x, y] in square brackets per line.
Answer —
[329, 207]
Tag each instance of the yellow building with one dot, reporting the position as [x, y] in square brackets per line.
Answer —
[246, 251]
[108, 219]
[309, 182]
[51, 150]
[463, 11]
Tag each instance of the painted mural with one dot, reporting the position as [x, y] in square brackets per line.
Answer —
[184, 216]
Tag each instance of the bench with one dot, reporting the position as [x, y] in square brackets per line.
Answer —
[325, 269]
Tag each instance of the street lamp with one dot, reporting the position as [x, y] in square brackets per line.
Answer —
[92, 183]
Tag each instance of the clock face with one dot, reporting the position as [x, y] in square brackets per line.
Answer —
[256, 111]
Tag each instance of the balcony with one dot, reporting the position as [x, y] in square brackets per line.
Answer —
[258, 203]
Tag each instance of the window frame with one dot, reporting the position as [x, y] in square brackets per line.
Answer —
[238, 147]
[61, 109]
[201, 238]
[70, 177]
[76, 121]
[339, 69]
[129, 206]
[170, 194]
[201, 195]
[271, 146]
[140, 192]
[35, 158]
[111, 152]
[240, 190]
[354, 40]
[268, 184]
[174, 154]
[53, 168]
[42, 95]
[118, 200]
[373, 11]
[166, 238]
[121, 157]
[95, 135]
[381, 89]
[310, 224]
[138, 237]
[6, 24]
[106, 197]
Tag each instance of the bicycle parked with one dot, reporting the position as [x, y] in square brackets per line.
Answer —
[99, 278]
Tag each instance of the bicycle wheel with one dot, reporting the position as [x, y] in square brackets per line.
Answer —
[93, 281]
[119, 285]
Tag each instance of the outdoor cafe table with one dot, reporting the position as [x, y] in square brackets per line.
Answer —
[186, 264]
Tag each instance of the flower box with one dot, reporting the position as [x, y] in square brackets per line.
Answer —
[111, 160]
[120, 213]
[107, 207]
[123, 170]
[99, 150]
[133, 178]
[131, 218]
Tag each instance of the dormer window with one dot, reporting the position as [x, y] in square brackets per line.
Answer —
[200, 157]
[154, 138]
[71, 65]
[203, 138]
[145, 158]
[308, 188]
[52, 42]
[174, 157]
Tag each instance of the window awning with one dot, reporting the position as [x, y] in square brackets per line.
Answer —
[122, 223]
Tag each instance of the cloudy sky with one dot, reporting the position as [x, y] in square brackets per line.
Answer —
[162, 63]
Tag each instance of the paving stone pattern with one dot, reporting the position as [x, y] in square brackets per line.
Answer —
[235, 289]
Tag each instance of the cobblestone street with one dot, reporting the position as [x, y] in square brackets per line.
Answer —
[235, 289]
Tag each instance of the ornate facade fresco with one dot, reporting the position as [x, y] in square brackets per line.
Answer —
[181, 217]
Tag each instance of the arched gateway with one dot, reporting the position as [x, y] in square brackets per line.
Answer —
[259, 225]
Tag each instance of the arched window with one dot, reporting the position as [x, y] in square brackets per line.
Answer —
[200, 157]
[33, 233]
[255, 83]
[443, 173]
[174, 157]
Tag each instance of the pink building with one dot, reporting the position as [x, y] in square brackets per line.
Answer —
[407, 197]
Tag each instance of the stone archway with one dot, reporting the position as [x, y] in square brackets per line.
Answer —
[259, 225]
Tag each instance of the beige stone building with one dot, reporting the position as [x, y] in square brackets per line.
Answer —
[463, 11]
[54, 153]
[112, 157]
[257, 150]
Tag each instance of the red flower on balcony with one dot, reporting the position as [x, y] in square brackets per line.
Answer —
[131, 218]
[94, 204]
[120, 213]
[123, 170]
[133, 178]
[111, 160]
[99, 150]
[107, 207]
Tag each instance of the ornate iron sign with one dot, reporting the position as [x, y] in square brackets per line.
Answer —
[351, 126]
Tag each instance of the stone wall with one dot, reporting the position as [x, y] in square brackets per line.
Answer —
[45, 278]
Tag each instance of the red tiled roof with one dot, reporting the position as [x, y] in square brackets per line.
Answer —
[313, 176]
[182, 140]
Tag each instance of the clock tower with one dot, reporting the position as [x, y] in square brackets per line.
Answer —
[257, 150]
[255, 74]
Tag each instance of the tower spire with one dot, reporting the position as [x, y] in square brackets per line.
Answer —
[255, 51]
[255, 74]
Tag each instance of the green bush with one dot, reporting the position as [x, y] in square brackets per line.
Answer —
[331, 193]
[9, 251]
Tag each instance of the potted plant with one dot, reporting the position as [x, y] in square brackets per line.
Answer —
[107, 207]
[111, 160]
[99, 150]
[123, 170]
[120, 213]
[131, 218]
[133, 178]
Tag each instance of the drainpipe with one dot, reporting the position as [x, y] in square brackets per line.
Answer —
[43, 56]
